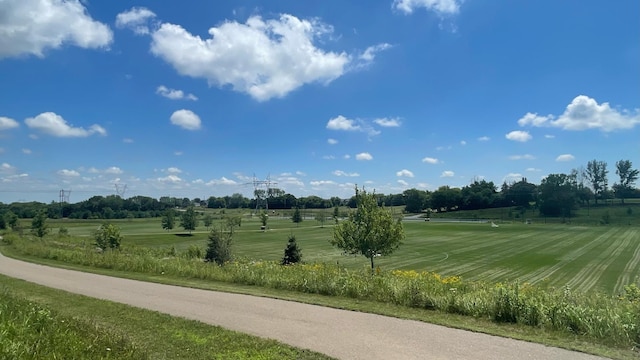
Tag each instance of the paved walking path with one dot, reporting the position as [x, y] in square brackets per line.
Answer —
[339, 333]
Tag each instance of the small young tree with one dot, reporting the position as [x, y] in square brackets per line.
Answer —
[218, 247]
[292, 253]
[232, 221]
[39, 224]
[108, 237]
[11, 220]
[321, 217]
[189, 220]
[168, 220]
[207, 220]
[263, 219]
[296, 217]
[370, 231]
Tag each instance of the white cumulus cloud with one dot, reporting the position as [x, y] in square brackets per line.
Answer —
[403, 183]
[430, 160]
[344, 173]
[68, 173]
[186, 119]
[565, 157]
[174, 170]
[170, 179]
[332, 141]
[484, 138]
[136, 19]
[53, 124]
[174, 94]
[404, 172]
[365, 156]
[584, 113]
[388, 122]
[342, 123]
[113, 170]
[442, 7]
[33, 26]
[262, 58]
[522, 157]
[518, 135]
[222, 181]
[7, 123]
[447, 173]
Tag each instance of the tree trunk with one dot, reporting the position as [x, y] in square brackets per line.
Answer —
[372, 267]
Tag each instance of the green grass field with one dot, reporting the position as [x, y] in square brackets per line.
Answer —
[585, 258]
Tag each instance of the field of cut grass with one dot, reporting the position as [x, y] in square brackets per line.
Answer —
[585, 258]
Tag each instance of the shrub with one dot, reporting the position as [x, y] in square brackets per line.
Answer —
[292, 253]
[218, 247]
[108, 237]
[194, 252]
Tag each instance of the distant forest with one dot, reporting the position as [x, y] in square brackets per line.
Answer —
[556, 195]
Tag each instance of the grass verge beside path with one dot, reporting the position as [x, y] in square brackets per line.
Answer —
[34, 319]
[556, 339]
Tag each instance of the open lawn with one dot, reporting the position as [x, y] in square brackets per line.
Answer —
[585, 258]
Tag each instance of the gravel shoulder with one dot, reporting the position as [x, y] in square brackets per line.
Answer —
[339, 333]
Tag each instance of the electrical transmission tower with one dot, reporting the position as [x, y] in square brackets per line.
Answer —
[261, 191]
[120, 189]
[64, 198]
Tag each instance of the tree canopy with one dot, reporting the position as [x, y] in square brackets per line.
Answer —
[370, 230]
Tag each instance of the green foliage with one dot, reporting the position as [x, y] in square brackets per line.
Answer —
[194, 252]
[39, 225]
[606, 218]
[296, 217]
[30, 331]
[108, 237]
[11, 220]
[188, 220]
[168, 220]
[232, 221]
[596, 174]
[218, 247]
[207, 220]
[264, 217]
[321, 217]
[336, 213]
[628, 177]
[369, 231]
[292, 253]
[557, 195]
[63, 231]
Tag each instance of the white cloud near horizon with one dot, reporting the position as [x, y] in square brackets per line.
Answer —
[405, 173]
[68, 173]
[53, 124]
[565, 157]
[584, 113]
[430, 160]
[186, 119]
[30, 27]
[365, 156]
[344, 173]
[447, 173]
[522, 157]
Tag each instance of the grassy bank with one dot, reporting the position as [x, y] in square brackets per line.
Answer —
[42, 323]
[610, 321]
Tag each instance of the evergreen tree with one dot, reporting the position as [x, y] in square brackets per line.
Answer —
[292, 253]
[39, 225]
[296, 217]
[218, 247]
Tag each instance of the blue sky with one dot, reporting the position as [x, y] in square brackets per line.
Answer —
[194, 98]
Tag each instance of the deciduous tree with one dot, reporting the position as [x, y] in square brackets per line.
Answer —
[39, 224]
[168, 220]
[370, 230]
[108, 237]
[189, 221]
[628, 177]
[596, 173]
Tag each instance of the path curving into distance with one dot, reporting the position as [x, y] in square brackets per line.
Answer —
[339, 333]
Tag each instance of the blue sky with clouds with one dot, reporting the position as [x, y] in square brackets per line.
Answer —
[192, 98]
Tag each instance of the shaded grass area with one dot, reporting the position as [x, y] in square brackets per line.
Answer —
[42, 323]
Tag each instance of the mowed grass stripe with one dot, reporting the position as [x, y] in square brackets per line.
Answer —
[588, 277]
[630, 271]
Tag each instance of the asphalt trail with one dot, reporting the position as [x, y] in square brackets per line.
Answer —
[339, 333]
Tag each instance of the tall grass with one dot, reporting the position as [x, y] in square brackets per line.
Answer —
[609, 320]
[30, 331]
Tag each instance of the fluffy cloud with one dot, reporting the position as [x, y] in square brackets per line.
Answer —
[386, 122]
[403, 183]
[321, 182]
[522, 157]
[7, 123]
[447, 173]
[174, 94]
[53, 124]
[222, 181]
[518, 135]
[404, 172]
[5, 167]
[442, 7]
[170, 179]
[262, 58]
[342, 123]
[332, 141]
[565, 157]
[369, 55]
[174, 170]
[484, 138]
[32, 26]
[343, 173]
[135, 19]
[511, 177]
[365, 156]
[585, 113]
[113, 170]
[68, 173]
[186, 119]
[430, 160]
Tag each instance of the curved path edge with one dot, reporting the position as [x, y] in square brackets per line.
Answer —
[339, 333]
